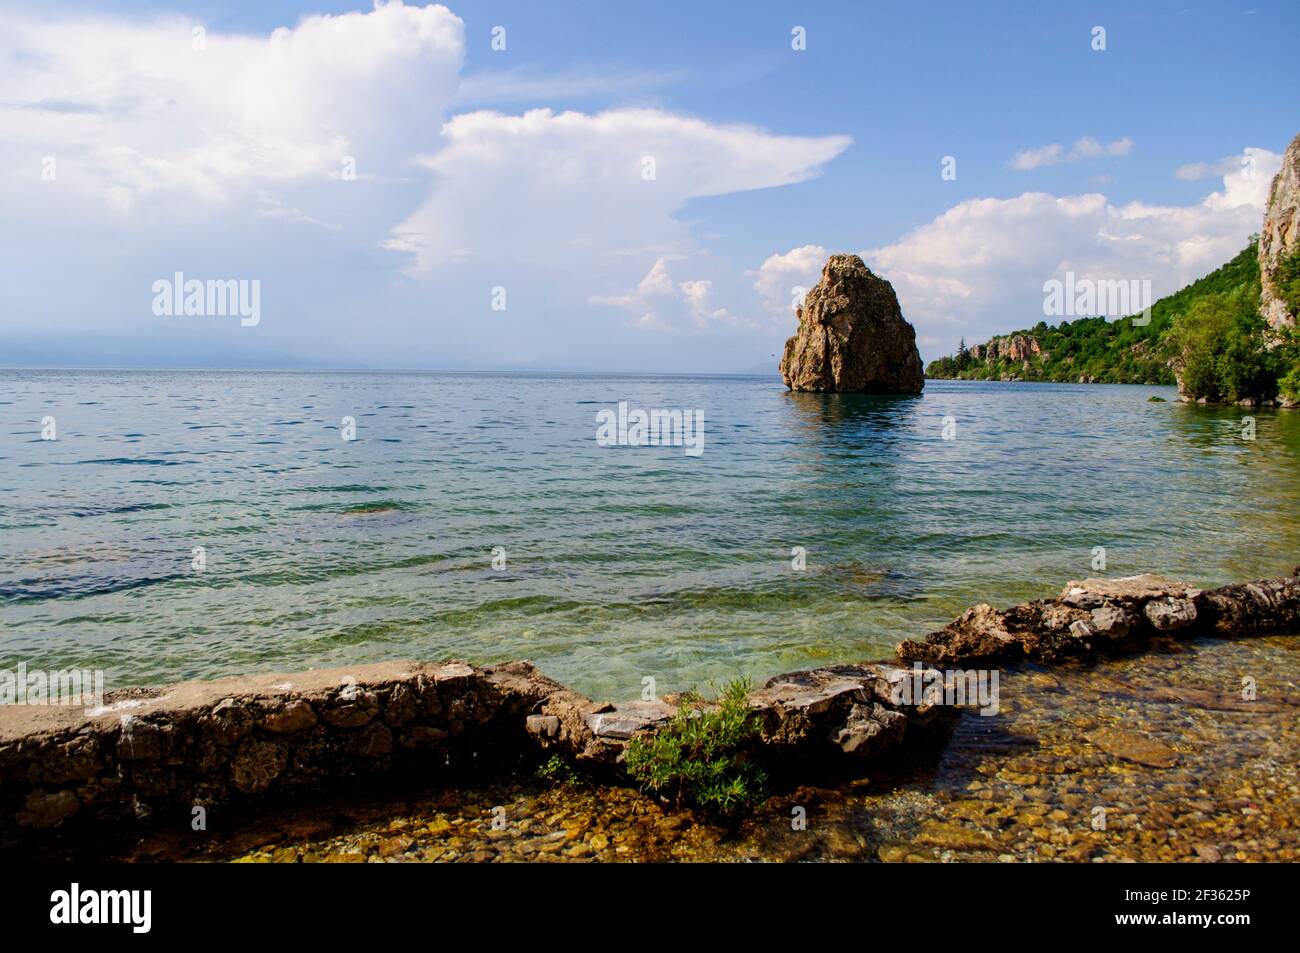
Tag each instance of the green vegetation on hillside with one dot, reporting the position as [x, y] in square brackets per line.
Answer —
[1120, 351]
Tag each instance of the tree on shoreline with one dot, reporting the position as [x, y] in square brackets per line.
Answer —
[1221, 350]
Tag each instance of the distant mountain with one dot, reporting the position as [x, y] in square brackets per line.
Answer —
[1099, 350]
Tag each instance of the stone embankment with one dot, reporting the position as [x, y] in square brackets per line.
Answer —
[158, 754]
[1109, 615]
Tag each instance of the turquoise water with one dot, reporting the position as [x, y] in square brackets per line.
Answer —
[620, 562]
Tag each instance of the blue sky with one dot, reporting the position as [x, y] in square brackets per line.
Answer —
[841, 152]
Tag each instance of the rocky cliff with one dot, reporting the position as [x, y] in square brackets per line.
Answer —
[852, 336]
[1280, 236]
[1013, 347]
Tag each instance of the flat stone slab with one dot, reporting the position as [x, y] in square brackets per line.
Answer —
[626, 720]
[1145, 586]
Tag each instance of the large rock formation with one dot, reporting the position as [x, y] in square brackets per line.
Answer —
[852, 336]
[1280, 235]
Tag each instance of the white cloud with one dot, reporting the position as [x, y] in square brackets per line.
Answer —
[132, 108]
[660, 303]
[1195, 171]
[779, 277]
[578, 213]
[271, 207]
[220, 161]
[562, 187]
[231, 160]
[1054, 154]
[978, 269]
[1247, 179]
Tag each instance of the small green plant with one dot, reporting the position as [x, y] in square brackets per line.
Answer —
[557, 771]
[703, 756]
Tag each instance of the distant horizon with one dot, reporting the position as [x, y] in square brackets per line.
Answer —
[543, 369]
[387, 370]
[524, 372]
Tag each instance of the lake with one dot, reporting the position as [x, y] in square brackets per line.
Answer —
[191, 524]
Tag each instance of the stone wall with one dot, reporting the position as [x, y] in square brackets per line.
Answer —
[147, 752]
[156, 754]
[1097, 616]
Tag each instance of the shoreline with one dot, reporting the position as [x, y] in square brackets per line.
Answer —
[1022, 787]
[1276, 403]
[157, 756]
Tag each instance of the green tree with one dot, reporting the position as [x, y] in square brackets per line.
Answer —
[1196, 337]
[963, 356]
[1221, 349]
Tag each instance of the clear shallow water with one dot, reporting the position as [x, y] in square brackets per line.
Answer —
[621, 562]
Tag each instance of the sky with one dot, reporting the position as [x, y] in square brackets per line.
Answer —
[609, 187]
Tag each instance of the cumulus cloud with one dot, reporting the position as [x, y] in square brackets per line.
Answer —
[660, 303]
[136, 147]
[782, 280]
[563, 187]
[130, 108]
[979, 268]
[1054, 154]
[577, 212]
